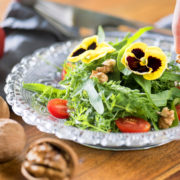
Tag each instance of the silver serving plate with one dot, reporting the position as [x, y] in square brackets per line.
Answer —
[34, 68]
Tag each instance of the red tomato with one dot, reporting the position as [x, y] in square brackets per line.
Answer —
[132, 125]
[64, 72]
[178, 110]
[2, 41]
[178, 87]
[58, 108]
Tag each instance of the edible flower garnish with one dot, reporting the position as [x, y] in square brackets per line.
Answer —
[90, 50]
[149, 61]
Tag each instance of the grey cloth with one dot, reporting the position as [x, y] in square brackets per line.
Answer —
[25, 31]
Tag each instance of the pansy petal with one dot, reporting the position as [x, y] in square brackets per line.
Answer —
[138, 49]
[153, 48]
[98, 53]
[90, 42]
[134, 64]
[104, 44]
[157, 60]
[90, 50]
[87, 44]
[91, 56]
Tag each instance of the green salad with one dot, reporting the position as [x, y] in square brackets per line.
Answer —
[122, 86]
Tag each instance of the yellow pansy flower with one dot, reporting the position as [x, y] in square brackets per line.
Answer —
[90, 50]
[149, 61]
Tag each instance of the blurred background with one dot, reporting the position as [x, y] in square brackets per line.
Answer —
[142, 10]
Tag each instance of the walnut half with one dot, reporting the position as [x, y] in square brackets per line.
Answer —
[100, 75]
[100, 72]
[108, 66]
[166, 119]
[49, 159]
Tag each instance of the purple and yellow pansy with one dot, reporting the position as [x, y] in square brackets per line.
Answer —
[149, 61]
[90, 50]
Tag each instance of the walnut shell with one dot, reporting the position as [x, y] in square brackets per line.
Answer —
[12, 139]
[4, 109]
[41, 161]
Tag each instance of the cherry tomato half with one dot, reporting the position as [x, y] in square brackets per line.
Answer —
[64, 71]
[58, 108]
[132, 124]
[178, 110]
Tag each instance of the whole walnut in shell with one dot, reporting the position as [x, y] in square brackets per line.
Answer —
[4, 109]
[49, 159]
[12, 139]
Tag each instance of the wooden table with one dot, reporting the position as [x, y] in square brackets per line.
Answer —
[157, 163]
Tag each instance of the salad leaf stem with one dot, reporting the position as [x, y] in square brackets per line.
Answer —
[101, 34]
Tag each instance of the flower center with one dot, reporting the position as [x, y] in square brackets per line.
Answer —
[135, 65]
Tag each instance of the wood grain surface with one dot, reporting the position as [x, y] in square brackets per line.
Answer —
[157, 163]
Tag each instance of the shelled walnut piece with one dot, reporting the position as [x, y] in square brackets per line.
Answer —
[49, 160]
[100, 75]
[101, 72]
[166, 119]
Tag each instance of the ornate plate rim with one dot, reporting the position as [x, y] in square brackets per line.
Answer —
[118, 141]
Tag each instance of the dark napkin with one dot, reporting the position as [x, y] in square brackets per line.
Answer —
[25, 32]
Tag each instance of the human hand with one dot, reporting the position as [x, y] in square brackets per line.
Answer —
[176, 26]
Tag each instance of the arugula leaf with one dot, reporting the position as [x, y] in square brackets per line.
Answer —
[44, 93]
[130, 40]
[145, 84]
[174, 66]
[160, 99]
[101, 34]
[119, 45]
[160, 85]
[175, 92]
[139, 33]
[129, 102]
[40, 88]
[173, 107]
[94, 97]
[170, 76]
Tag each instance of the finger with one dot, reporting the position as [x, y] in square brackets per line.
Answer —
[176, 26]
[177, 44]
